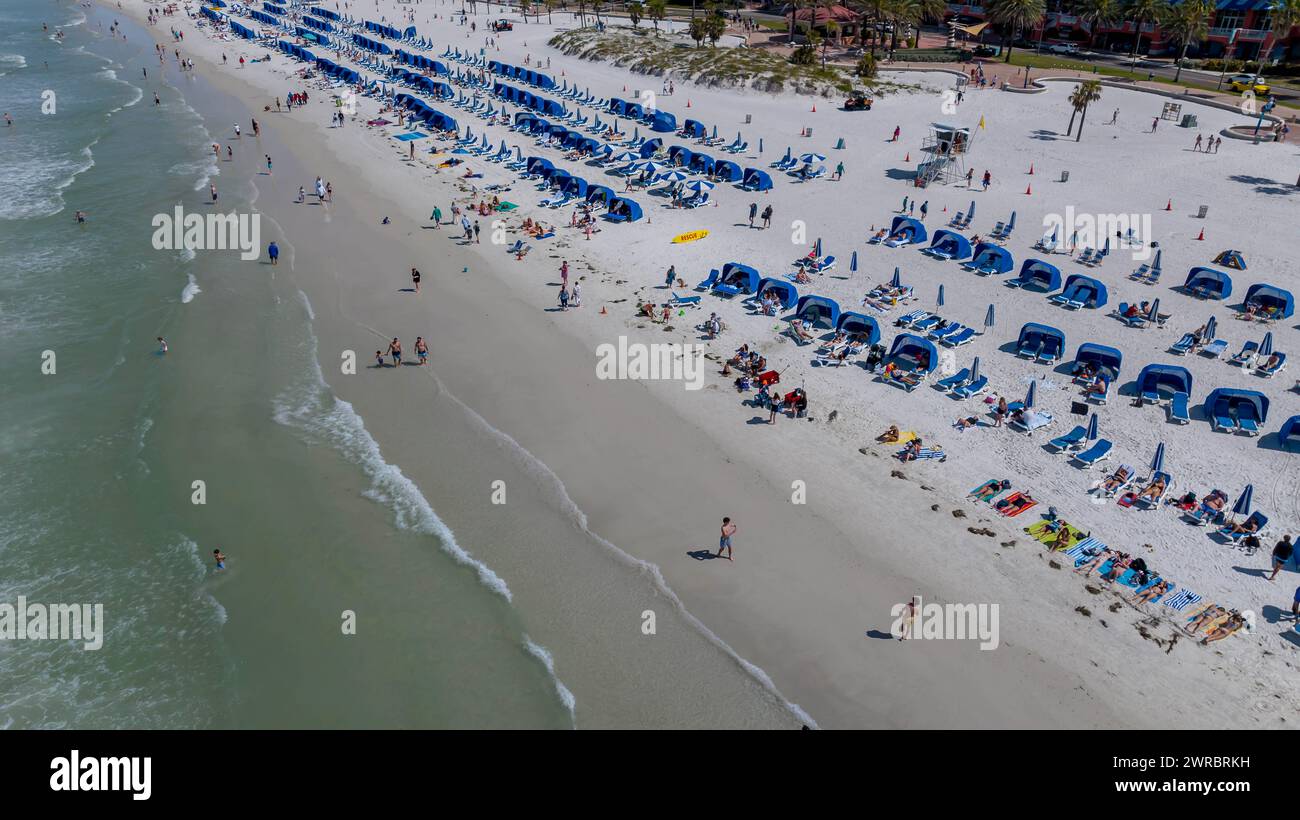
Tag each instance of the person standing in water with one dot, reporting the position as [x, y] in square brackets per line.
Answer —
[273, 251]
[220, 558]
[162, 346]
[422, 350]
[395, 350]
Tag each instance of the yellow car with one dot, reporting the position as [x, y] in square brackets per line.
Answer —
[1247, 82]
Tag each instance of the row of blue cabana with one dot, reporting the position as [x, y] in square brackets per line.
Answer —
[426, 84]
[333, 69]
[660, 121]
[319, 25]
[274, 9]
[528, 99]
[326, 13]
[420, 109]
[371, 45]
[420, 61]
[527, 75]
[294, 50]
[620, 209]
[313, 36]
[1209, 283]
[385, 30]
[212, 14]
[263, 17]
[240, 30]
[575, 140]
[683, 157]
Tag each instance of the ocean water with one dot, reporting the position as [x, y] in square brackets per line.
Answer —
[101, 456]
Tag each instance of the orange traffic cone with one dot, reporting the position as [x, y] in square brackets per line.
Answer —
[814, 108]
[1169, 206]
[1029, 189]
[945, 209]
[603, 312]
[1202, 236]
[908, 158]
[1031, 169]
[688, 103]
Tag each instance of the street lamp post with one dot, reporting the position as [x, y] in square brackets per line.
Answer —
[1227, 55]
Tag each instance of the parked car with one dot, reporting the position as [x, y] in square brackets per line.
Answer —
[987, 51]
[1062, 48]
[503, 25]
[1249, 82]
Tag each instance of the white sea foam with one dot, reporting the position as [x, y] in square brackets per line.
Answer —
[191, 290]
[11, 62]
[566, 697]
[34, 187]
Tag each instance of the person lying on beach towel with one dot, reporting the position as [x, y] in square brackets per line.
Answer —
[890, 436]
[1117, 567]
[1151, 593]
[1231, 626]
[990, 489]
[911, 450]
[1015, 504]
[1094, 561]
[964, 423]
[1186, 503]
[1208, 616]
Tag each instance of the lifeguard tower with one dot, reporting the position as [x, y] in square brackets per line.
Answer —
[944, 152]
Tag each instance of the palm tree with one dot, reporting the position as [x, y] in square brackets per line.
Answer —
[1076, 105]
[595, 7]
[1098, 13]
[655, 10]
[1089, 91]
[550, 6]
[913, 13]
[795, 5]
[1139, 12]
[1187, 22]
[1013, 16]
[523, 8]
[634, 12]
[1284, 15]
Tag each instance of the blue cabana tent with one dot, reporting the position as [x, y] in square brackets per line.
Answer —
[1033, 334]
[818, 311]
[649, 147]
[680, 155]
[1208, 283]
[617, 106]
[600, 194]
[540, 165]
[784, 290]
[1039, 274]
[905, 227]
[326, 13]
[727, 171]
[1091, 292]
[559, 177]
[694, 129]
[757, 180]
[1231, 401]
[951, 244]
[701, 163]
[210, 13]
[1164, 379]
[857, 323]
[523, 116]
[991, 258]
[575, 186]
[738, 278]
[622, 209]
[664, 122]
[1231, 259]
[1268, 296]
[1107, 359]
[242, 31]
[914, 353]
[634, 110]
[1289, 435]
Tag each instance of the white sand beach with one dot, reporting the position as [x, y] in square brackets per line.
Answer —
[652, 467]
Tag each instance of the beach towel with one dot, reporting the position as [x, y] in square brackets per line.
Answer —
[1047, 532]
[1182, 599]
[411, 135]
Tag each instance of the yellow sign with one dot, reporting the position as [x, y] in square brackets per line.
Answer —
[689, 236]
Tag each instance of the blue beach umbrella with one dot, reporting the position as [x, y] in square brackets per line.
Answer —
[897, 281]
[939, 301]
[1092, 428]
[1210, 327]
[1154, 313]
[975, 369]
[1011, 223]
[760, 145]
[1158, 460]
[1029, 397]
[1266, 346]
[990, 317]
[971, 212]
[811, 158]
[853, 262]
[817, 246]
[1242, 507]
[673, 176]
[698, 185]
[715, 132]
[1156, 264]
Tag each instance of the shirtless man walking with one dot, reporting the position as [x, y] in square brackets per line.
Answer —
[724, 541]
[395, 350]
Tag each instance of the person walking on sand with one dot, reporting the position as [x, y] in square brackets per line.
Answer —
[724, 538]
[767, 217]
[925, 209]
[237, 135]
[671, 276]
[302, 194]
[1155, 122]
[415, 279]
[422, 350]
[564, 298]
[775, 407]
[988, 179]
[753, 212]
[212, 189]
[395, 350]
[970, 177]
[909, 620]
[898, 130]
[564, 274]
[436, 216]
[1197, 146]
[1282, 552]
[268, 165]
[1114, 118]
[839, 171]
[576, 298]
[273, 251]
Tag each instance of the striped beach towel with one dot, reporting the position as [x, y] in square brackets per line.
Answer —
[1182, 599]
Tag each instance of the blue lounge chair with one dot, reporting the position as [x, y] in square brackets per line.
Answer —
[1215, 349]
[1222, 421]
[1178, 409]
[684, 301]
[1030, 350]
[965, 336]
[1033, 420]
[1148, 503]
[928, 323]
[1246, 355]
[1094, 455]
[971, 388]
[1261, 522]
[938, 335]
[1183, 346]
[1072, 440]
[1132, 321]
[1141, 273]
[955, 380]
[1069, 297]
[1247, 423]
[1270, 372]
[1050, 351]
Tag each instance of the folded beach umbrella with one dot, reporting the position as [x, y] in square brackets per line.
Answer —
[1266, 346]
[1158, 460]
[699, 185]
[1029, 397]
[636, 133]
[760, 145]
[897, 281]
[1106, 247]
[1092, 428]
[939, 301]
[990, 317]
[1011, 223]
[811, 158]
[1156, 264]
[715, 132]
[1074, 239]
[1210, 327]
[817, 247]
[975, 369]
[970, 214]
[1154, 313]
[1242, 507]
[853, 262]
[738, 138]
